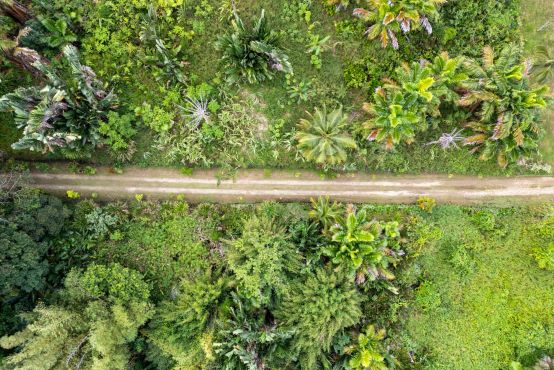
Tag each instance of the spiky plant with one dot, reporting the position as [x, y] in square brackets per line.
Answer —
[252, 54]
[449, 140]
[506, 125]
[196, 111]
[321, 138]
[64, 114]
[390, 17]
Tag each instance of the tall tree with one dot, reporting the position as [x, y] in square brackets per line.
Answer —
[99, 314]
[262, 260]
[317, 309]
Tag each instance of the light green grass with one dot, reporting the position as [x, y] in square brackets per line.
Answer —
[485, 302]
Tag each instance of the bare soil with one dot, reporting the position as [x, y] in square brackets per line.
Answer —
[258, 185]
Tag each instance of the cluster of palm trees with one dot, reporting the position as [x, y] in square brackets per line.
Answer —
[503, 108]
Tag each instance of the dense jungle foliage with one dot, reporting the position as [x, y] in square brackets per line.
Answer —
[422, 86]
[398, 86]
[146, 285]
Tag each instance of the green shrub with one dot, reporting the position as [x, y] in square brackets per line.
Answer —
[478, 23]
[484, 220]
[252, 54]
[118, 132]
[71, 194]
[426, 204]
[544, 255]
[355, 75]
[427, 297]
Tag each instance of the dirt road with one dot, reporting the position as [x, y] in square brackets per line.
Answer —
[257, 185]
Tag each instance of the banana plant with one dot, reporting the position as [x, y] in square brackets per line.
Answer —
[507, 109]
[543, 68]
[395, 116]
[369, 352]
[388, 18]
[353, 241]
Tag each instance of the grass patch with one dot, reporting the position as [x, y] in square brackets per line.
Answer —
[483, 302]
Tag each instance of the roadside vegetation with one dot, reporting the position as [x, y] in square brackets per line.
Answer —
[394, 86]
[203, 83]
[141, 284]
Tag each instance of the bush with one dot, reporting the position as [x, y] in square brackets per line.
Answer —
[426, 204]
[252, 54]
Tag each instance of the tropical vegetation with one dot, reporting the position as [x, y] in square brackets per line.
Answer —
[335, 86]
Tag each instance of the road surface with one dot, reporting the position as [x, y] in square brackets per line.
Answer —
[259, 185]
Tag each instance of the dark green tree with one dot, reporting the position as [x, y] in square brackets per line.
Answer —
[263, 260]
[29, 221]
[247, 340]
[98, 315]
[318, 308]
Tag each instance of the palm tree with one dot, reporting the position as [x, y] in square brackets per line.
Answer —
[390, 17]
[15, 10]
[325, 212]
[506, 107]
[64, 114]
[321, 138]
[543, 69]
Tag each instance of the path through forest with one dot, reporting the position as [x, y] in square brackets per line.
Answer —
[259, 185]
